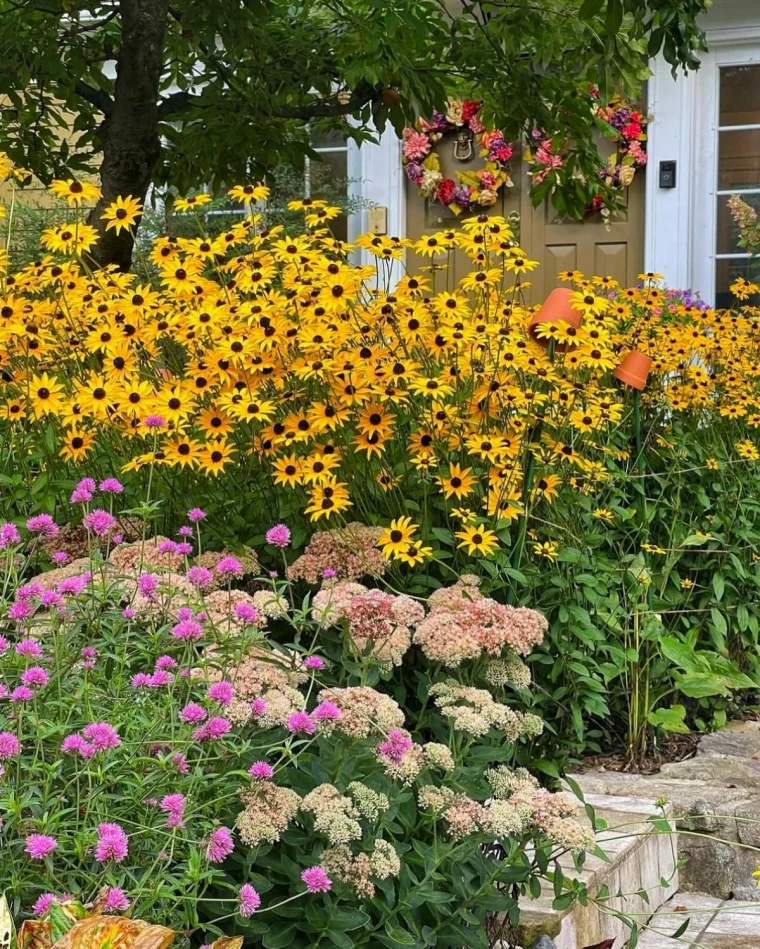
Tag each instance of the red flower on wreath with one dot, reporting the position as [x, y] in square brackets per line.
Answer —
[469, 108]
[446, 191]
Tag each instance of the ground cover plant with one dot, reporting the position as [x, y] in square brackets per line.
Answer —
[262, 374]
[187, 738]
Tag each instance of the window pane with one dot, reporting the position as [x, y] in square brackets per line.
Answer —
[329, 180]
[727, 271]
[740, 95]
[329, 139]
[728, 232]
[739, 159]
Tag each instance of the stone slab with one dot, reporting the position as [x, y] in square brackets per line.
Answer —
[739, 739]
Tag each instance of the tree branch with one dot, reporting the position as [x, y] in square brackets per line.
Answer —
[96, 97]
[175, 104]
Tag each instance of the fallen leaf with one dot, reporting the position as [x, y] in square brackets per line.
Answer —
[115, 932]
[604, 944]
[227, 942]
[680, 909]
[35, 934]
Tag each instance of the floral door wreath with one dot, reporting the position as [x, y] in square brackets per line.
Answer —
[478, 188]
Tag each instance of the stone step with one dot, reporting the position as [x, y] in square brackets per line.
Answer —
[713, 924]
[638, 858]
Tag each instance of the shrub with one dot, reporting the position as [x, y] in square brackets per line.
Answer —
[193, 751]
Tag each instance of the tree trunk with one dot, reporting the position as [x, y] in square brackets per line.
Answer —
[129, 134]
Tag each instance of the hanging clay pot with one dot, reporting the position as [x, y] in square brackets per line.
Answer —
[634, 369]
[555, 309]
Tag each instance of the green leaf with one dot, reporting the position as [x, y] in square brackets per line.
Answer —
[670, 719]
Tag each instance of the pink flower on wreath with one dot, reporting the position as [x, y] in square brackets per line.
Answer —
[316, 880]
[416, 144]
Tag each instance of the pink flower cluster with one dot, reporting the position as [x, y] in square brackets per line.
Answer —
[462, 623]
[112, 845]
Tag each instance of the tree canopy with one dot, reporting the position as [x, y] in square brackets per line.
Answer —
[187, 92]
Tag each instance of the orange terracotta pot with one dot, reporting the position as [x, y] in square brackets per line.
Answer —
[634, 369]
[556, 309]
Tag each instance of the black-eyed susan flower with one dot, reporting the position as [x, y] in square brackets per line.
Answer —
[458, 483]
[397, 536]
[122, 214]
[546, 550]
[75, 192]
[478, 540]
[191, 202]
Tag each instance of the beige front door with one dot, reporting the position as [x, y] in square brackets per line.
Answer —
[615, 249]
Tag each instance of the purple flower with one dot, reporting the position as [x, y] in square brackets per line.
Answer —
[396, 747]
[200, 577]
[154, 421]
[129, 613]
[246, 613]
[229, 567]
[140, 680]
[147, 584]
[160, 678]
[193, 713]
[167, 546]
[60, 557]
[9, 535]
[249, 900]
[116, 900]
[80, 496]
[220, 845]
[20, 610]
[100, 522]
[43, 903]
[76, 745]
[413, 170]
[326, 712]
[278, 536]
[42, 524]
[88, 652]
[185, 531]
[183, 549]
[259, 706]
[195, 514]
[187, 629]
[316, 880]
[111, 486]
[112, 844]
[173, 805]
[261, 771]
[22, 694]
[301, 722]
[328, 573]
[214, 728]
[3, 644]
[39, 846]
[221, 692]
[102, 736]
[35, 677]
[180, 763]
[314, 662]
[51, 598]
[29, 647]
[166, 662]
[10, 746]
[75, 585]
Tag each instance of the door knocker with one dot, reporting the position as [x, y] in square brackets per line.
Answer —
[463, 145]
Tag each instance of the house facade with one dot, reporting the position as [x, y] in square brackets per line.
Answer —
[703, 145]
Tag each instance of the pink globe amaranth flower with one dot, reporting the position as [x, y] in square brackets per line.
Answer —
[183, 549]
[166, 662]
[43, 903]
[159, 679]
[314, 662]
[246, 613]
[229, 567]
[278, 536]
[261, 771]
[200, 576]
[173, 805]
[213, 729]
[117, 539]
[326, 712]
[75, 585]
[20, 611]
[9, 535]
[111, 486]
[187, 629]
[140, 680]
[22, 694]
[60, 557]
[195, 514]
[328, 573]
[259, 706]
[193, 713]
[3, 644]
[154, 421]
[102, 736]
[88, 652]
[87, 484]
[51, 599]
[316, 880]
[249, 900]
[80, 496]
[147, 584]
[185, 531]
[100, 522]
[42, 524]
[220, 845]
[4, 691]
[180, 763]
[221, 692]
[112, 845]
[29, 647]
[30, 591]
[301, 723]
[396, 746]
[39, 846]
[116, 900]
[76, 745]
[10, 746]
[168, 547]
[128, 613]
[35, 677]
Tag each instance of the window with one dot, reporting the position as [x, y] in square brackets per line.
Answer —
[328, 178]
[738, 172]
